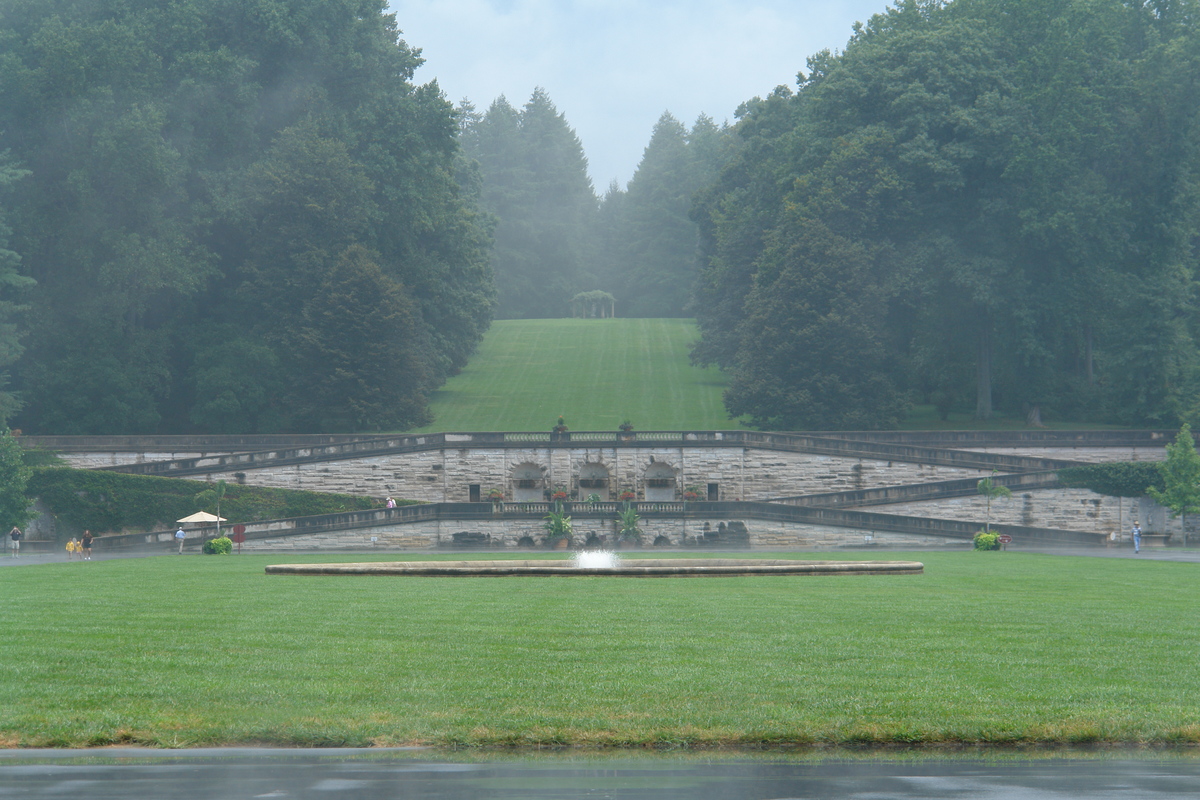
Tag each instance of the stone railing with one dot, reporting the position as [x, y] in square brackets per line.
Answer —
[916, 492]
[790, 442]
[699, 510]
[217, 443]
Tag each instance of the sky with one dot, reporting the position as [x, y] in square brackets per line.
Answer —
[612, 67]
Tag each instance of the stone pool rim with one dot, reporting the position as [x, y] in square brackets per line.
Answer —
[648, 568]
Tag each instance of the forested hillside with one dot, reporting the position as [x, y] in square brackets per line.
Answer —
[989, 204]
[228, 216]
[244, 215]
[555, 239]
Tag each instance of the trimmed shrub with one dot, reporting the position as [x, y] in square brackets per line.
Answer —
[1115, 479]
[114, 501]
[986, 541]
[218, 547]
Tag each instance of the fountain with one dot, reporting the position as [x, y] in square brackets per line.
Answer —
[596, 559]
[604, 563]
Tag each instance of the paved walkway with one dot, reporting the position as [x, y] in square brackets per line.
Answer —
[378, 774]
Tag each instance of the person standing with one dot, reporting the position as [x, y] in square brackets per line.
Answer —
[391, 502]
[1137, 537]
[15, 536]
[179, 537]
[86, 544]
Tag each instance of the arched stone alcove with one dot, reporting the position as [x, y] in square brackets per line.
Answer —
[529, 483]
[593, 479]
[660, 482]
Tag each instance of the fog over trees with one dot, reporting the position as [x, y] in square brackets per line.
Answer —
[235, 216]
[240, 216]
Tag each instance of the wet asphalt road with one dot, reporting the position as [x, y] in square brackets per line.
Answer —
[239, 774]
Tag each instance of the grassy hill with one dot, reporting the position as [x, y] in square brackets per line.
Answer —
[598, 372]
[594, 372]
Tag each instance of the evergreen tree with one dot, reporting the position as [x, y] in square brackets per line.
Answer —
[535, 183]
[648, 238]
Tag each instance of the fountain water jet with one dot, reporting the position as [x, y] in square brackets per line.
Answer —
[596, 559]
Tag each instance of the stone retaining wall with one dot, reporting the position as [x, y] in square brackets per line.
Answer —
[763, 535]
[1066, 509]
[446, 475]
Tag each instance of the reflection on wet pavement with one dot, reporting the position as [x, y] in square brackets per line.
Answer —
[244, 774]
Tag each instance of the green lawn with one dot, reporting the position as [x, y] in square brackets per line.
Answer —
[598, 372]
[984, 648]
[594, 372]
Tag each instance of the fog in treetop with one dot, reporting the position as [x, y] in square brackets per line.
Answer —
[614, 67]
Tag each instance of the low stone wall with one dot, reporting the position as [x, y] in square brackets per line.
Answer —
[1090, 455]
[117, 458]
[507, 534]
[1065, 509]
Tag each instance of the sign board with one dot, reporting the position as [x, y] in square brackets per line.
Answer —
[1004, 538]
[239, 535]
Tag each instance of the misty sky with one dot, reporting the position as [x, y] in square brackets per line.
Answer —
[613, 66]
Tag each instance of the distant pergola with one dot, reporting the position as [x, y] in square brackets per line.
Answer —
[594, 304]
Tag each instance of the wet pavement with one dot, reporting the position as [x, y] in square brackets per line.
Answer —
[237, 774]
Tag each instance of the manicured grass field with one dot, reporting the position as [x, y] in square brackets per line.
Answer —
[594, 372]
[984, 647]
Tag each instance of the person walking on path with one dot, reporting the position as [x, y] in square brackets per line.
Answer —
[1137, 537]
[15, 536]
[86, 544]
[179, 537]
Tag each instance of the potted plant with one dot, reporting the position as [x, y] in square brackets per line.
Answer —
[627, 526]
[627, 496]
[626, 434]
[690, 494]
[558, 528]
[495, 495]
[558, 494]
[559, 431]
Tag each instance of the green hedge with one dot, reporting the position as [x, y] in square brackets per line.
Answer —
[112, 501]
[1116, 479]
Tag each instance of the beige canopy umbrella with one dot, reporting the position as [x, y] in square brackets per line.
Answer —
[202, 516]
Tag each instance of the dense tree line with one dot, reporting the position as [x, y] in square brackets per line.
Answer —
[533, 179]
[554, 239]
[979, 204]
[228, 216]
[647, 243]
[243, 215]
